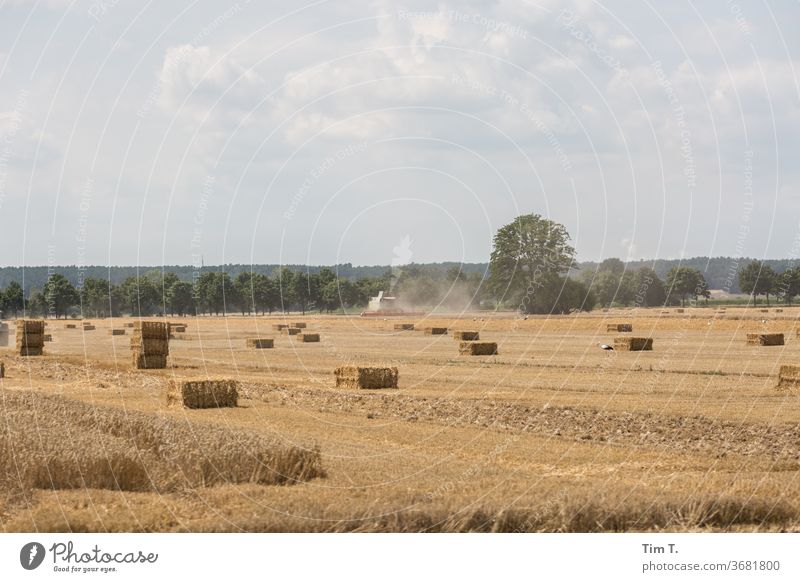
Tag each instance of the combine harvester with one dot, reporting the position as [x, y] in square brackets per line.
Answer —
[386, 306]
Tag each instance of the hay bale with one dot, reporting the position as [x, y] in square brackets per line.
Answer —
[128, 324]
[203, 393]
[150, 345]
[279, 326]
[290, 330]
[70, 326]
[89, 328]
[309, 338]
[764, 310]
[47, 337]
[619, 327]
[633, 344]
[31, 326]
[261, 343]
[299, 325]
[143, 361]
[116, 332]
[477, 348]
[680, 310]
[177, 328]
[2, 370]
[789, 378]
[156, 347]
[364, 377]
[151, 329]
[466, 336]
[435, 331]
[665, 313]
[404, 327]
[30, 337]
[765, 339]
[779, 311]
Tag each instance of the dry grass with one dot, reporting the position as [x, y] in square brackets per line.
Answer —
[551, 435]
[55, 443]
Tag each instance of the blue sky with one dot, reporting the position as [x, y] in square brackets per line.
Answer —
[159, 133]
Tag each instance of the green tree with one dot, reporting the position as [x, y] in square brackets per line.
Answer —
[14, 298]
[757, 279]
[140, 296]
[60, 295]
[181, 298]
[95, 296]
[36, 304]
[649, 288]
[787, 284]
[685, 282]
[529, 257]
[246, 291]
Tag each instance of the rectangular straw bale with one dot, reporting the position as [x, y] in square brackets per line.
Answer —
[633, 344]
[789, 378]
[176, 328]
[142, 361]
[279, 326]
[309, 337]
[151, 329]
[128, 324]
[2, 370]
[477, 348]
[260, 343]
[680, 310]
[31, 326]
[299, 325]
[290, 330]
[47, 337]
[619, 327]
[366, 377]
[765, 339]
[116, 332]
[466, 336]
[89, 328]
[203, 393]
[779, 311]
[30, 340]
[404, 327]
[150, 346]
[435, 331]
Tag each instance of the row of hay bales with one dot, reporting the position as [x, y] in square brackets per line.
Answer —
[469, 344]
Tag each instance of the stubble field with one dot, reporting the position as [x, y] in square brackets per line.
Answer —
[552, 434]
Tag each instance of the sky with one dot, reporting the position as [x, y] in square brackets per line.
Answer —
[157, 133]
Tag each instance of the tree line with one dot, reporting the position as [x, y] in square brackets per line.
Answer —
[532, 270]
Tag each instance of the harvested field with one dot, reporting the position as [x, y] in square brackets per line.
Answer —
[552, 434]
[477, 348]
[765, 339]
[466, 336]
[633, 344]
[368, 378]
[260, 343]
[789, 379]
[203, 393]
[78, 445]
